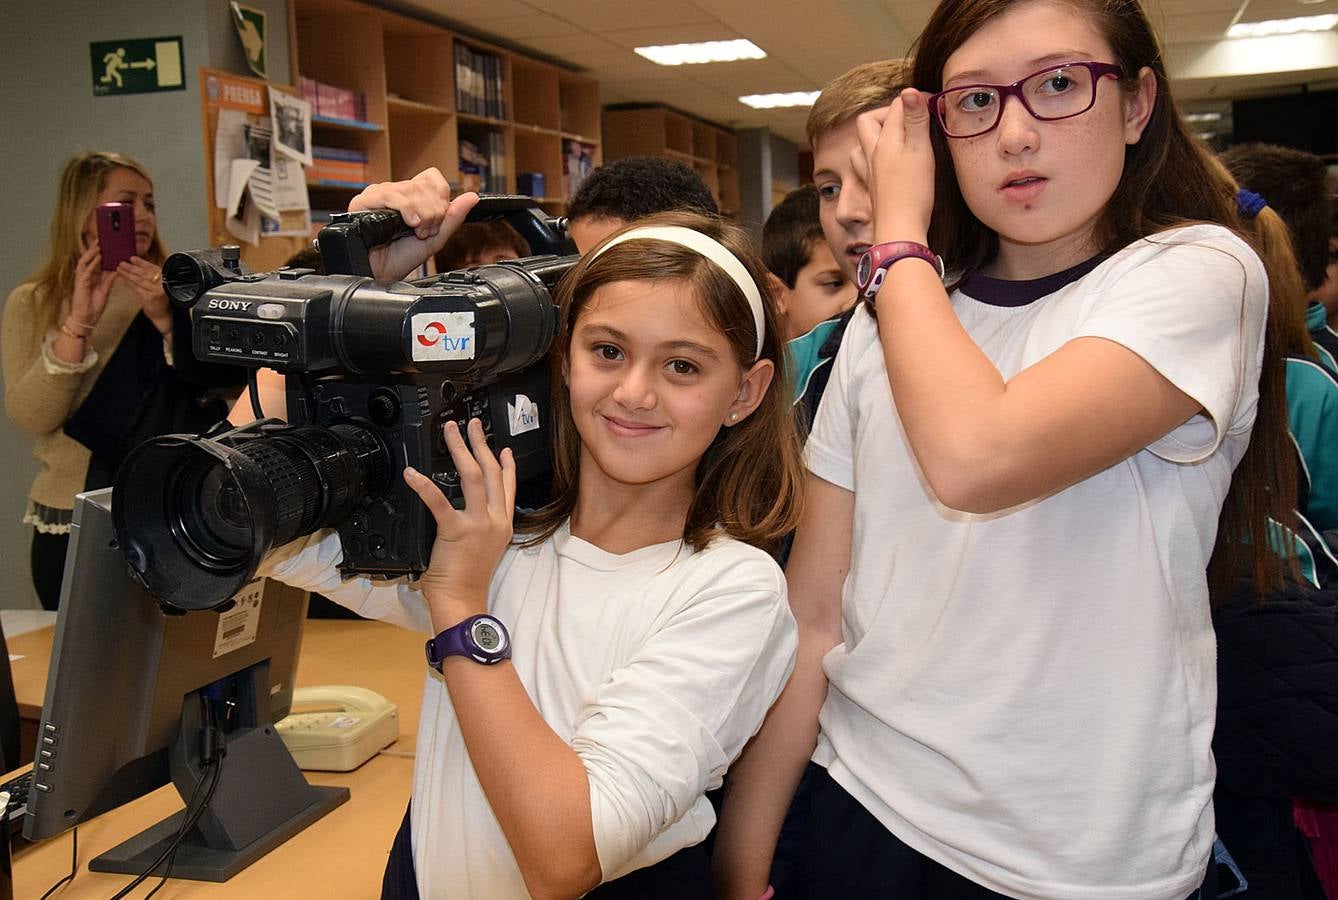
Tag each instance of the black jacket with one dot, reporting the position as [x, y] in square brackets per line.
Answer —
[139, 396]
[1277, 725]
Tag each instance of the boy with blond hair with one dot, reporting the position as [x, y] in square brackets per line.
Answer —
[846, 214]
[844, 208]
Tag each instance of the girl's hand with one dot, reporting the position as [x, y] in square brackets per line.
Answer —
[470, 541]
[91, 287]
[425, 204]
[897, 160]
[147, 281]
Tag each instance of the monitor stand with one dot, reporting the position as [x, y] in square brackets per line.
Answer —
[262, 798]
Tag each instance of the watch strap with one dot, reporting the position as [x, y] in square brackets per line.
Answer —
[876, 260]
[458, 640]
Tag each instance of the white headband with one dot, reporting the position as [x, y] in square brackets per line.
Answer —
[710, 248]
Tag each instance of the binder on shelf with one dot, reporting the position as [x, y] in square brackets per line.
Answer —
[478, 83]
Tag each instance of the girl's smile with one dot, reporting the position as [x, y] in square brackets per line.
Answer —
[651, 382]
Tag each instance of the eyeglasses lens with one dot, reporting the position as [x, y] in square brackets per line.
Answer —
[1052, 94]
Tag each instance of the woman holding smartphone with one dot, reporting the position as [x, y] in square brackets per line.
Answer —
[85, 343]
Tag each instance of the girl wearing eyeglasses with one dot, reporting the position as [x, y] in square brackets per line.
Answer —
[1024, 478]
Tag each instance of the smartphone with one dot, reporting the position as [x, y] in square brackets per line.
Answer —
[116, 233]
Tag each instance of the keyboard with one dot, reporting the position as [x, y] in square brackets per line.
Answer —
[18, 788]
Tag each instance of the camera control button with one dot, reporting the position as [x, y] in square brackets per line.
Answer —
[269, 311]
[377, 545]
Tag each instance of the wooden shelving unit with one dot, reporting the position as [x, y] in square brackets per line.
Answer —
[657, 131]
[406, 70]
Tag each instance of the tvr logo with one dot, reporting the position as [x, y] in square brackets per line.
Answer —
[522, 415]
[435, 333]
[442, 336]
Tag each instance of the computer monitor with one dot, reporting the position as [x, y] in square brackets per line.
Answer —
[136, 697]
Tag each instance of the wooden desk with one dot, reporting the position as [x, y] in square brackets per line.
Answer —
[341, 855]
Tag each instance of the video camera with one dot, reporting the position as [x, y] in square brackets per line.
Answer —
[373, 372]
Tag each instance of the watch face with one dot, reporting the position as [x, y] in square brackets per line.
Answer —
[864, 270]
[487, 637]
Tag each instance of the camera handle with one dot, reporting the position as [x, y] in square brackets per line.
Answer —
[346, 241]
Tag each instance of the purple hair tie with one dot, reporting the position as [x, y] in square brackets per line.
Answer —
[1249, 203]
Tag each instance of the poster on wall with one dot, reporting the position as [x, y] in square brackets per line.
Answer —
[258, 182]
[292, 126]
[254, 35]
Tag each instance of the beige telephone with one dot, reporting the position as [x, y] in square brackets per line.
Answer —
[338, 727]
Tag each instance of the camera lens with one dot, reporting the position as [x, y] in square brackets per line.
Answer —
[213, 519]
[194, 517]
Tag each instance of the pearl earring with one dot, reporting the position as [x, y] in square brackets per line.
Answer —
[734, 417]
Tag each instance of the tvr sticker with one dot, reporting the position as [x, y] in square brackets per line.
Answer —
[442, 335]
[522, 415]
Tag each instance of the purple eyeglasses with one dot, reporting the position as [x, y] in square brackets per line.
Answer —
[1056, 92]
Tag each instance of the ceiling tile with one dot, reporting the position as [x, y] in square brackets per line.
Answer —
[569, 47]
[470, 11]
[601, 15]
[1198, 26]
[1261, 10]
[529, 25]
[760, 76]
[619, 63]
[672, 34]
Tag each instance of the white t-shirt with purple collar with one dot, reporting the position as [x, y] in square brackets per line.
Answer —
[1028, 696]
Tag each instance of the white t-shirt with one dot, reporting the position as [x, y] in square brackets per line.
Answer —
[655, 666]
[1028, 697]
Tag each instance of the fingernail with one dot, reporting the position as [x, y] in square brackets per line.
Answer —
[411, 472]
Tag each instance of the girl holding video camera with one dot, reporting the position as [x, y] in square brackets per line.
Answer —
[62, 327]
[594, 674]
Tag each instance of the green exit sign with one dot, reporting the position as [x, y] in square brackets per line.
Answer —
[137, 66]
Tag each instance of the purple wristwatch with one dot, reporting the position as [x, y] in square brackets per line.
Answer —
[481, 638]
[873, 264]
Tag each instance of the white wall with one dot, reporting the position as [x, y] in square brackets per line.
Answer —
[50, 114]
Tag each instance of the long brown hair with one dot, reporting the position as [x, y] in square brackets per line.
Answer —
[749, 482]
[81, 181]
[1169, 179]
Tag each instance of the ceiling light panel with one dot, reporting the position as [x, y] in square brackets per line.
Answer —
[1283, 26]
[704, 52]
[779, 101]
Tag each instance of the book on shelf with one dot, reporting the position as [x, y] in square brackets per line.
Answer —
[333, 102]
[337, 164]
[478, 83]
[483, 164]
[578, 161]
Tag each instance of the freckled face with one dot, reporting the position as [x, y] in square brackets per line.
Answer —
[1041, 185]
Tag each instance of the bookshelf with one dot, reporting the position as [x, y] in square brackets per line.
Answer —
[433, 97]
[659, 131]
